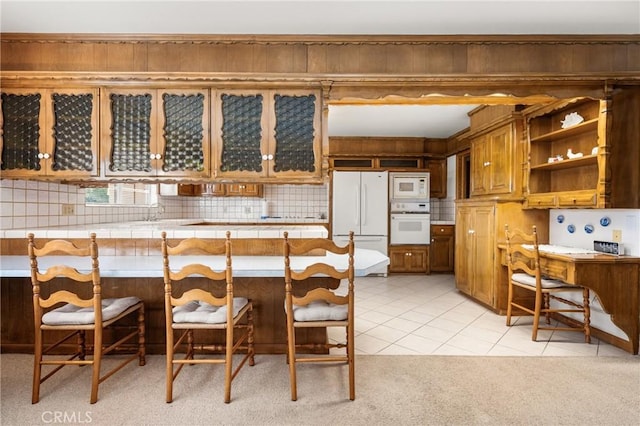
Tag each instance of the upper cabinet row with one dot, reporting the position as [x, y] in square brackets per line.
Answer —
[153, 133]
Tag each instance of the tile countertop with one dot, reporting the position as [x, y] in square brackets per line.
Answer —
[443, 222]
[175, 228]
[365, 262]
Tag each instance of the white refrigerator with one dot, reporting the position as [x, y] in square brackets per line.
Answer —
[361, 205]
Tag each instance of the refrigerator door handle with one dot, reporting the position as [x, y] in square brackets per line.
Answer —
[363, 202]
[357, 210]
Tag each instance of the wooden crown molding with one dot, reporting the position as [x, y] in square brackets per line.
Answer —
[374, 39]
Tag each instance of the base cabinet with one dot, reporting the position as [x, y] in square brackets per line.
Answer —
[409, 258]
[441, 250]
[480, 227]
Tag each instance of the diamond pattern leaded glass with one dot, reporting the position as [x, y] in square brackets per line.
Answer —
[294, 133]
[131, 133]
[183, 132]
[241, 133]
[72, 132]
[21, 131]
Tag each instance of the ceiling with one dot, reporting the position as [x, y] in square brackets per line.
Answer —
[354, 17]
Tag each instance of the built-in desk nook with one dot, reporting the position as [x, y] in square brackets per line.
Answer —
[133, 267]
[614, 279]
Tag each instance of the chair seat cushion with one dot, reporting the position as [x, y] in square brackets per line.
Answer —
[201, 312]
[74, 315]
[320, 311]
[530, 280]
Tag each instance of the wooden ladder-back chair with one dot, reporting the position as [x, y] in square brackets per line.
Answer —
[523, 263]
[319, 307]
[198, 309]
[78, 315]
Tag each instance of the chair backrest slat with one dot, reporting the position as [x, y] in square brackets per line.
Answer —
[523, 252]
[196, 246]
[318, 269]
[64, 248]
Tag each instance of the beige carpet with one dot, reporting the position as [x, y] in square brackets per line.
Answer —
[390, 390]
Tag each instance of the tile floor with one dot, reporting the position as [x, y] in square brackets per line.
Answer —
[425, 314]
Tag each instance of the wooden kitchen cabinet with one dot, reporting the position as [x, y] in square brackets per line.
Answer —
[441, 250]
[606, 173]
[243, 190]
[155, 133]
[493, 154]
[409, 258]
[478, 231]
[49, 133]
[438, 177]
[268, 134]
[221, 190]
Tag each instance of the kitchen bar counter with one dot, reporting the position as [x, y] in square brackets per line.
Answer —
[175, 228]
[366, 261]
[258, 277]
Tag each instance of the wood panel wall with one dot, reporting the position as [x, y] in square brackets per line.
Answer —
[371, 67]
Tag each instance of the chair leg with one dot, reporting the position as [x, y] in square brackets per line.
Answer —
[547, 314]
[82, 347]
[291, 356]
[250, 335]
[169, 366]
[228, 364]
[587, 315]
[509, 300]
[536, 316]
[141, 337]
[97, 359]
[37, 367]
[351, 361]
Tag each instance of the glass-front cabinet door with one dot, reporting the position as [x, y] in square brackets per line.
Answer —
[156, 133]
[49, 132]
[267, 134]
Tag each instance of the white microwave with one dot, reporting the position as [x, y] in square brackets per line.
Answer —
[409, 186]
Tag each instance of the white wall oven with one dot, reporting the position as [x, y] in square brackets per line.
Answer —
[410, 223]
[410, 228]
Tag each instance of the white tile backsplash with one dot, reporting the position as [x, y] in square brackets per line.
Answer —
[38, 204]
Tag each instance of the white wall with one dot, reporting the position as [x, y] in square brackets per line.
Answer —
[626, 220]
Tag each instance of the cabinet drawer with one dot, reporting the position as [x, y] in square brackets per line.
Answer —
[577, 199]
[542, 200]
[442, 230]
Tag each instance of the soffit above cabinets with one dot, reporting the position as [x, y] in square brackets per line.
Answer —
[429, 121]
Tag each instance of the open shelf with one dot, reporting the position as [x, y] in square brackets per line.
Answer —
[567, 164]
[584, 127]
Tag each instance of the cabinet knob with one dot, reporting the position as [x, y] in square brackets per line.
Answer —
[471, 231]
[264, 157]
[487, 163]
[44, 155]
[270, 157]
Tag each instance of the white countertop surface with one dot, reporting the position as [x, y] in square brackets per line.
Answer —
[366, 262]
[175, 228]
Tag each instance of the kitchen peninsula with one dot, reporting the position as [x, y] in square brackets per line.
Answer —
[131, 264]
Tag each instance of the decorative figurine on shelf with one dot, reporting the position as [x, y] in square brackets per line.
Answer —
[571, 120]
[570, 154]
[594, 151]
